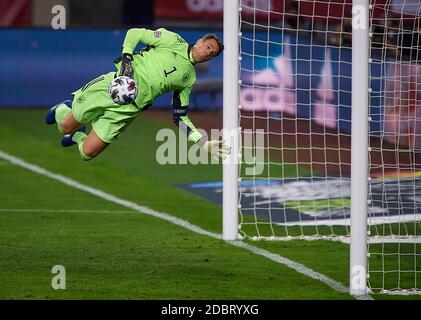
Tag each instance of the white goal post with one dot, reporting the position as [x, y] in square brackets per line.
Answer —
[230, 118]
[359, 148]
[299, 77]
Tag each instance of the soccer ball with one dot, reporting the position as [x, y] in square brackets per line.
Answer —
[123, 90]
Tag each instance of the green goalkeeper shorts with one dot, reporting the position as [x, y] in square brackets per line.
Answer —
[92, 103]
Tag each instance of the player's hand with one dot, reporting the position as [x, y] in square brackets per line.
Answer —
[217, 148]
[126, 65]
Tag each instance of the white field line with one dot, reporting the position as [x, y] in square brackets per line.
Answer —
[65, 211]
[185, 224]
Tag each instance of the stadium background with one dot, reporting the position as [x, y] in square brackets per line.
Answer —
[45, 223]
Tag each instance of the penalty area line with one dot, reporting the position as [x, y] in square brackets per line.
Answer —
[180, 222]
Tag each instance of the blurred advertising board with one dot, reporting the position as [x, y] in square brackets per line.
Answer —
[213, 9]
[402, 113]
[308, 80]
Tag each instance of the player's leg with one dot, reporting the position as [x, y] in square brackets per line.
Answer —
[92, 103]
[89, 145]
[69, 124]
[87, 104]
[105, 129]
[61, 114]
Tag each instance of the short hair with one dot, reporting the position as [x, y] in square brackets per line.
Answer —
[219, 42]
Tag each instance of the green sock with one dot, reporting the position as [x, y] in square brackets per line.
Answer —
[61, 112]
[79, 137]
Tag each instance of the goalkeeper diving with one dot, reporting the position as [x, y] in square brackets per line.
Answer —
[166, 64]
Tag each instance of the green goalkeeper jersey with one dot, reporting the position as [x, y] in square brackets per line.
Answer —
[165, 65]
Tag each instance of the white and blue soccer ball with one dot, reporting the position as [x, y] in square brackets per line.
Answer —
[123, 90]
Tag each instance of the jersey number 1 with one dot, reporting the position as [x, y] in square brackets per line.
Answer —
[169, 72]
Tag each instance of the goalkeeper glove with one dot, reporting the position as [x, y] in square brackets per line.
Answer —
[126, 65]
[217, 148]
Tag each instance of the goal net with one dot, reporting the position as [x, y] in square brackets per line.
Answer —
[295, 98]
[394, 196]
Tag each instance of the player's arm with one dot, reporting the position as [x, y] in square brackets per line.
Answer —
[180, 104]
[135, 36]
[181, 119]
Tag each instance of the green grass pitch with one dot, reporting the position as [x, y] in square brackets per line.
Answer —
[112, 252]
